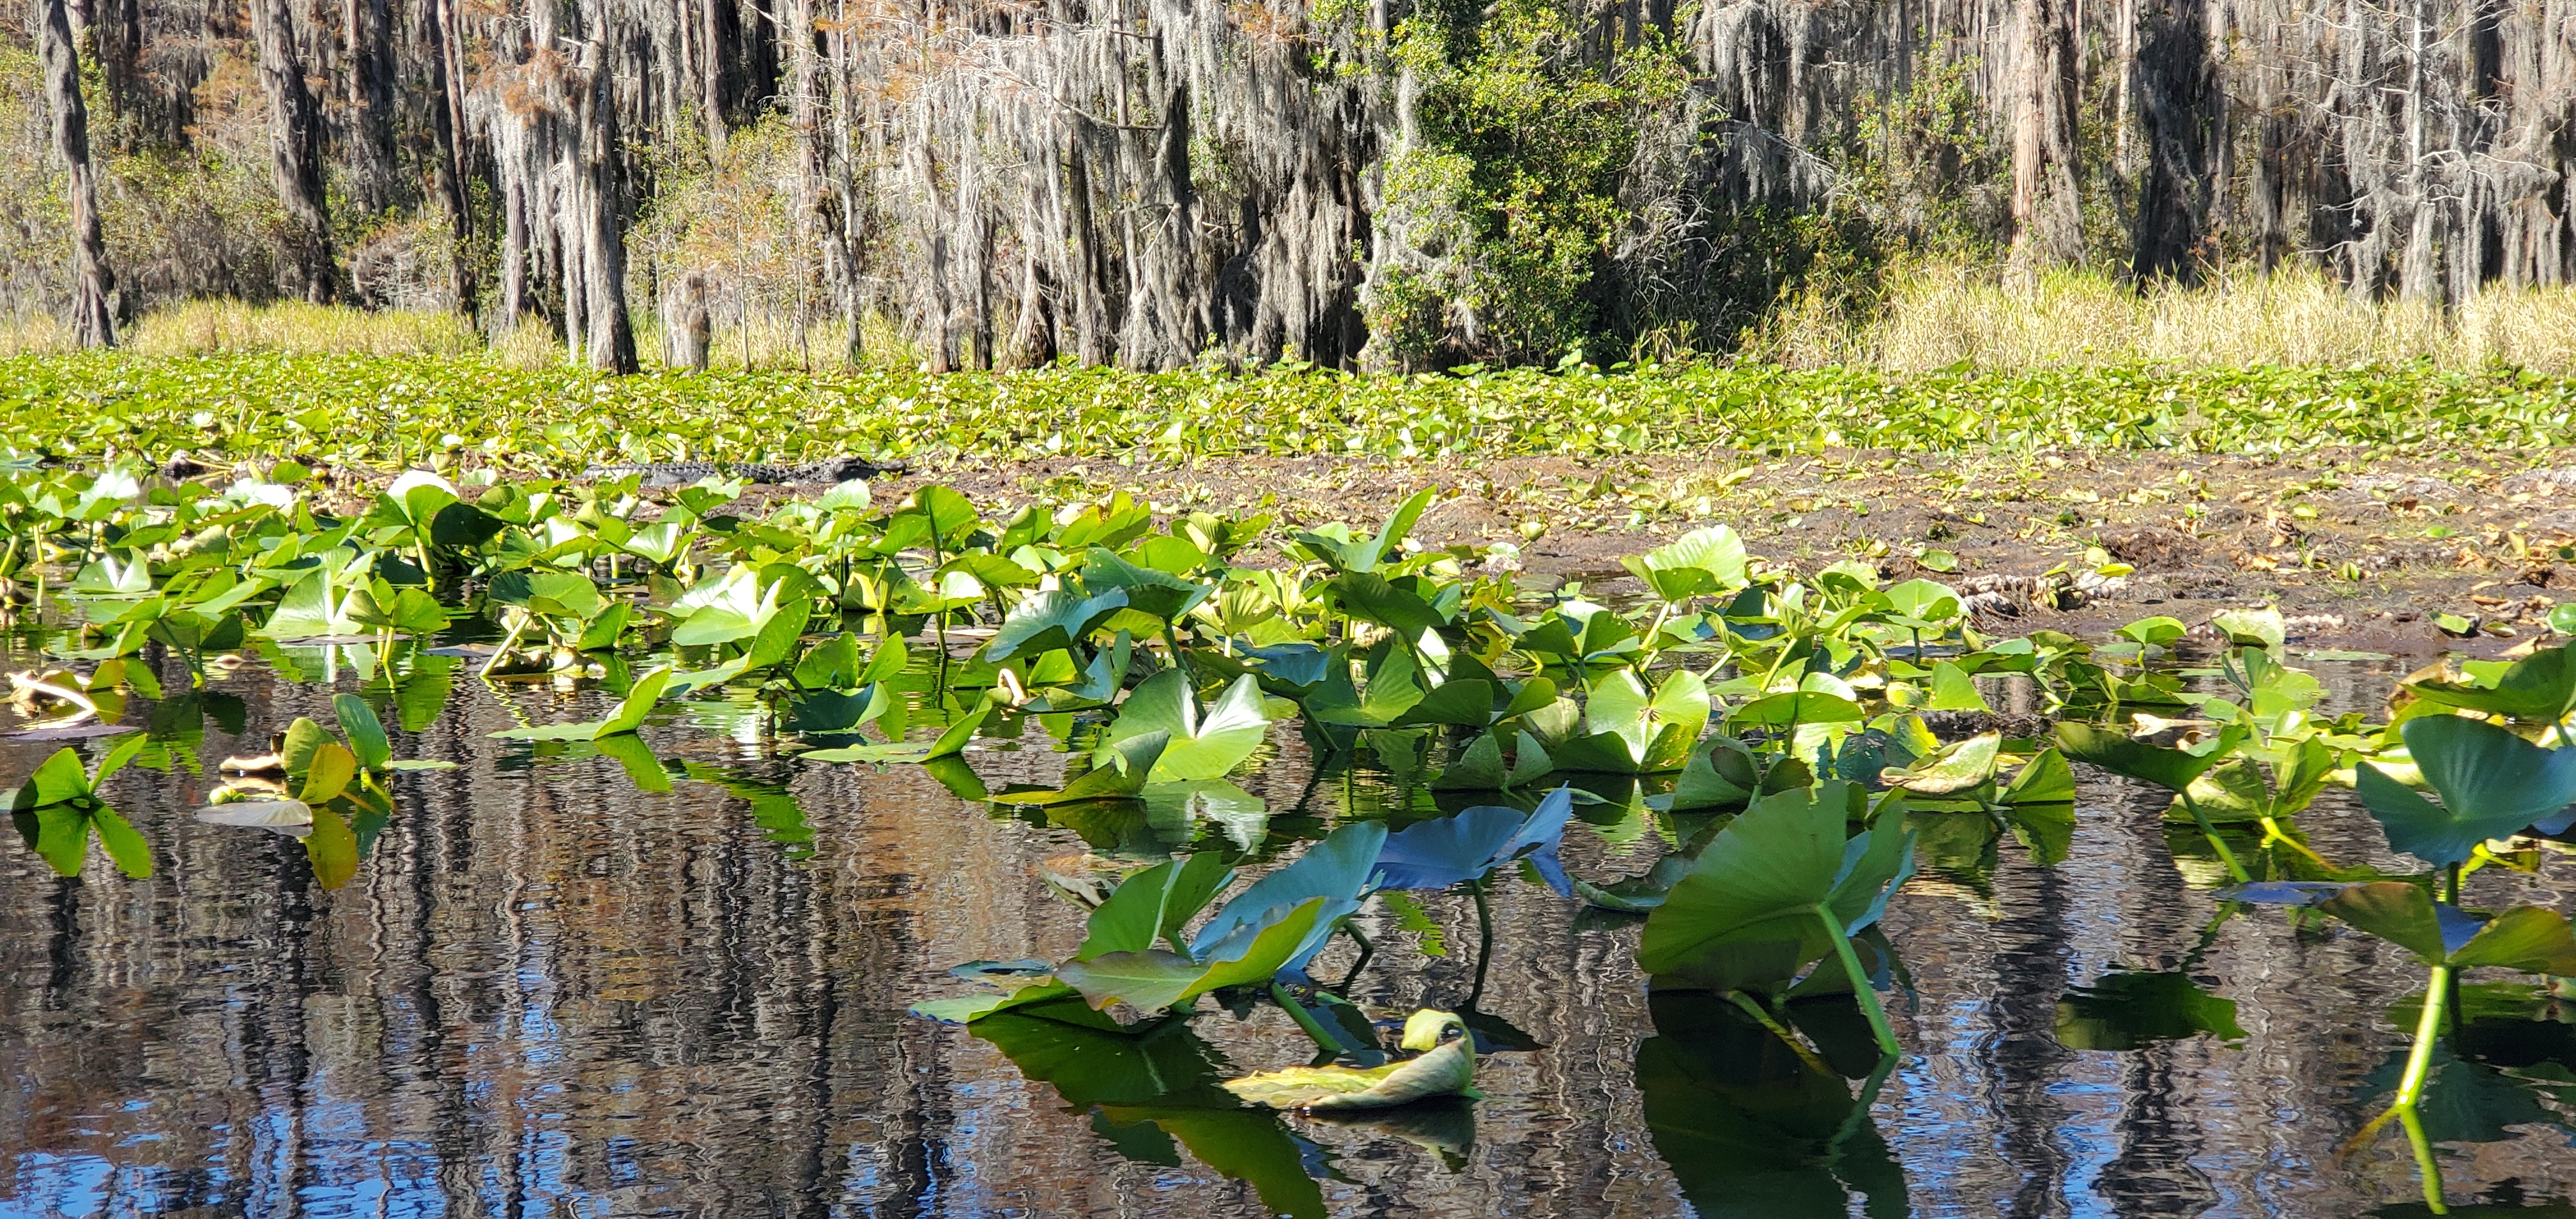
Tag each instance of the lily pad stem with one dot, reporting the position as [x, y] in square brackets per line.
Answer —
[2272, 832]
[2235, 870]
[1753, 1007]
[507, 642]
[1861, 991]
[1367, 951]
[2428, 1030]
[2427, 1169]
[1324, 1040]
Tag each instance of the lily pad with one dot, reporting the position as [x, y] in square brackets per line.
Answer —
[1769, 873]
[1122, 774]
[1197, 745]
[1465, 846]
[2492, 783]
[1442, 1070]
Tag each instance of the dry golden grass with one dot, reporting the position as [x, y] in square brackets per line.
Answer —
[206, 327]
[35, 335]
[776, 343]
[1935, 315]
[1940, 315]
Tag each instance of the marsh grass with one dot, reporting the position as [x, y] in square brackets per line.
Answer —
[209, 327]
[1928, 316]
[1934, 316]
[35, 334]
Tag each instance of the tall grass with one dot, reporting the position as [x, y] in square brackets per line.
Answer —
[205, 327]
[1928, 316]
[1941, 315]
[35, 334]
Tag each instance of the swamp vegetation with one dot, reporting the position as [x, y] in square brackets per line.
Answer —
[1399, 186]
[1312, 779]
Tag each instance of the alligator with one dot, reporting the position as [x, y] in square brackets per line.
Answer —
[681, 473]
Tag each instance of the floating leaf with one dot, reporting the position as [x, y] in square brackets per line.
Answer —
[1198, 745]
[1956, 768]
[628, 716]
[1153, 979]
[1442, 1070]
[293, 818]
[2121, 754]
[1123, 772]
[2493, 784]
[1465, 846]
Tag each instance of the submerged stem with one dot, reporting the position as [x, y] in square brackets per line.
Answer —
[2235, 870]
[2272, 832]
[2427, 1169]
[1861, 992]
[1314, 1029]
[1484, 942]
[1753, 1007]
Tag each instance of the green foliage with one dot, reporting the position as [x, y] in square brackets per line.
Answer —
[1513, 190]
[397, 412]
[1926, 163]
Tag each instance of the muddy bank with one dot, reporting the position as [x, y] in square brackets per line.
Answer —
[2360, 552]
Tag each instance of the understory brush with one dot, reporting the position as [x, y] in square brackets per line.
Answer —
[1929, 316]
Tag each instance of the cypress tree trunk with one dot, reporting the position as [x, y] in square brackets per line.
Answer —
[601, 164]
[116, 42]
[367, 25]
[2177, 94]
[295, 141]
[711, 73]
[447, 128]
[2047, 226]
[846, 215]
[92, 323]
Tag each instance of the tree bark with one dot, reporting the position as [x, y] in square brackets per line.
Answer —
[93, 324]
[711, 70]
[447, 129]
[367, 25]
[601, 163]
[295, 143]
[2047, 225]
[116, 41]
[2178, 95]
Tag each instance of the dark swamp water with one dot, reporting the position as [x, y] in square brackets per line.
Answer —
[546, 993]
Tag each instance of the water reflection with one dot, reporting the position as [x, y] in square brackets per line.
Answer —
[542, 983]
[1751, 1128]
